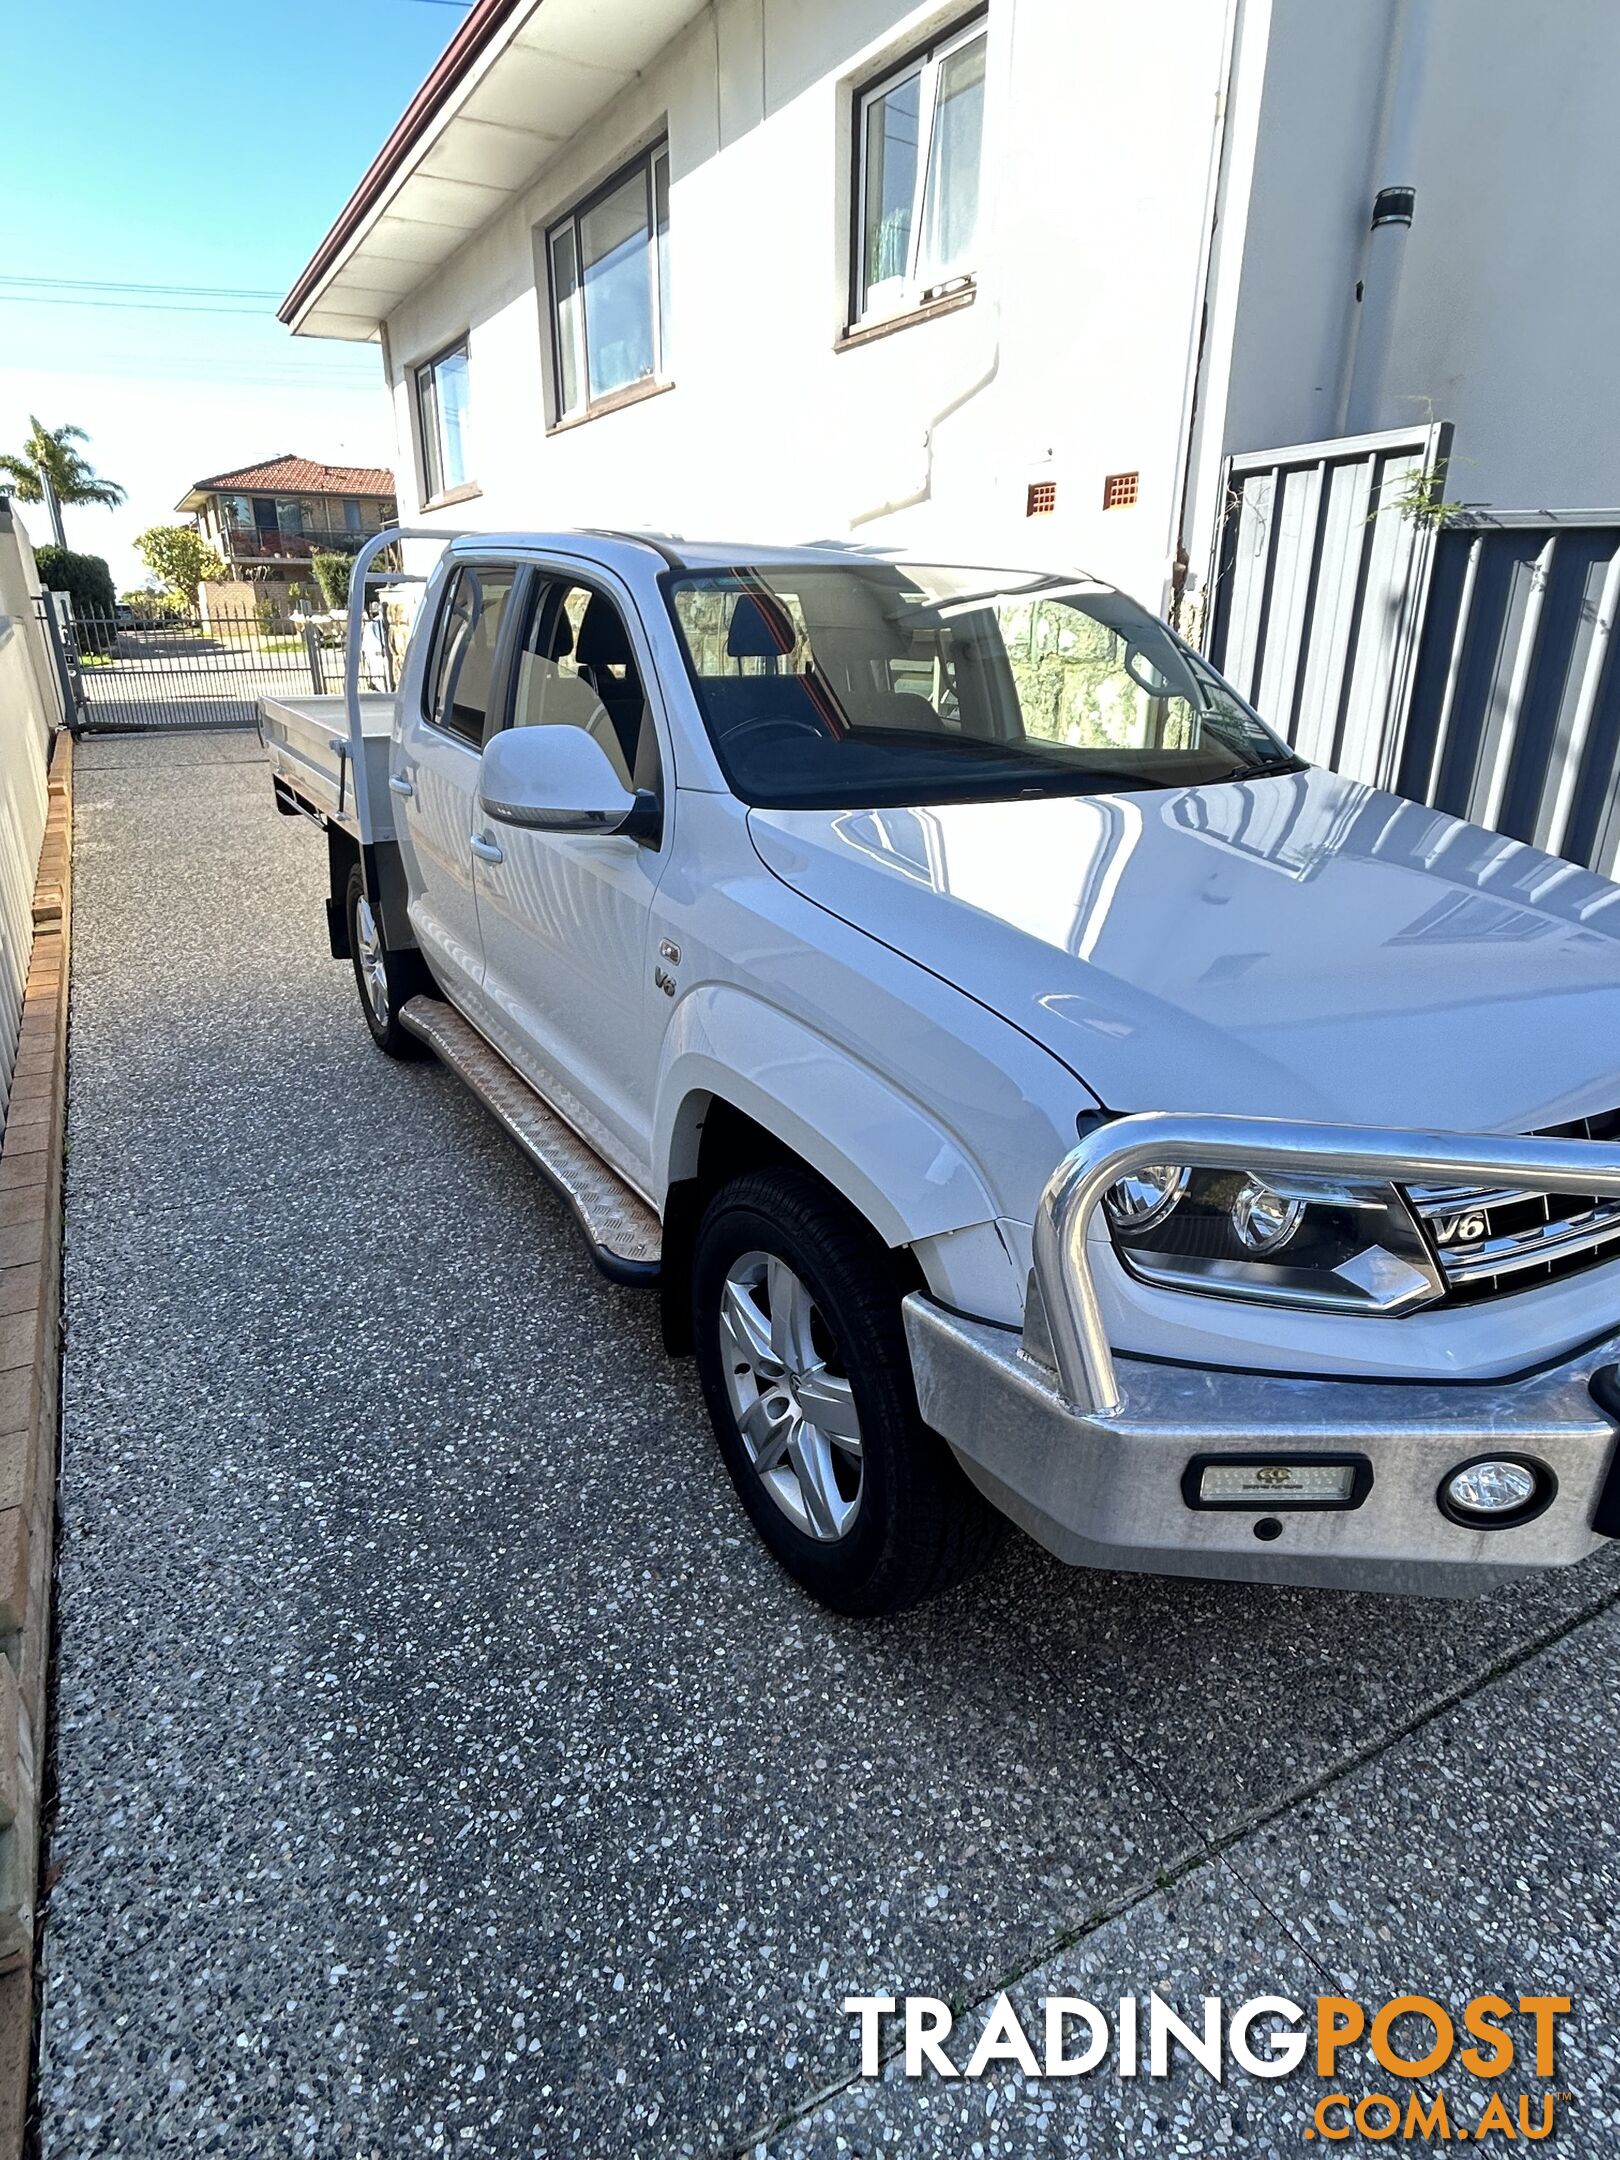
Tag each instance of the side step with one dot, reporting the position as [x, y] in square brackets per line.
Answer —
[624, 1235]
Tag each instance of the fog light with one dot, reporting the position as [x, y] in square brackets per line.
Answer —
[1492, 1489]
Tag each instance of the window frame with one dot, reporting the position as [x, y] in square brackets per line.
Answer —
[925, 61]
[500, 662]
[644, 162]
[430, 449]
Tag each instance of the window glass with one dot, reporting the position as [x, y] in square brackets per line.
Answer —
[951, 198]
[578, 669]
[920, 137]
[442, 401]
[879, 684]
[569, 302]
[618, 293]
[351, 517]
[891, 185]
[610, 283]
[463, 666]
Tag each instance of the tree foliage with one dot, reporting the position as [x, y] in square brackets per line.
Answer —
[178, 556]
[51, 450]
[88, 581]
[332, 575]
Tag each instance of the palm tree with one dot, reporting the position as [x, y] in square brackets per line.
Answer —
[49, 470]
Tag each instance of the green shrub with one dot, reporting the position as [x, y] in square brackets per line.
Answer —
[332, 575]
[150, 608]
[88, 581]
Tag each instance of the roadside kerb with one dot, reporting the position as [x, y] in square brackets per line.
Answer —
[31, 1170]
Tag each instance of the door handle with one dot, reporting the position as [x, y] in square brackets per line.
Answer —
[486, 849]
[400, 785]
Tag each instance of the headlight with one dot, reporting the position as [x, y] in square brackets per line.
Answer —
[1282, 1240]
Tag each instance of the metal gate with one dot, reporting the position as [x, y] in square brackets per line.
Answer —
[1468, 661]
[1322, 566]
[176, 670]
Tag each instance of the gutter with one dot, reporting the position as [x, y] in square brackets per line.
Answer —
[479, 30]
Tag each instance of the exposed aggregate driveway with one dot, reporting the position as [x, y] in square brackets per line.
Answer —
[445, 1768]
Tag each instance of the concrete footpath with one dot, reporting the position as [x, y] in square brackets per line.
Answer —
[444, 1767]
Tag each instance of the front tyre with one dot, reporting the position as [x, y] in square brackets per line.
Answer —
[802, 1354]
[384, 979]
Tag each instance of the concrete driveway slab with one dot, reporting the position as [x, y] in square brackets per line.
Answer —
[443, 1764]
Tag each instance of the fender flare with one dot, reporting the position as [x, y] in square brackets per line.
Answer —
[887, 1154]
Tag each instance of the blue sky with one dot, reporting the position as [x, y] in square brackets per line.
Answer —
[190, 145]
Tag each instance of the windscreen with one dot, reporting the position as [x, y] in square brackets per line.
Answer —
[841, 686]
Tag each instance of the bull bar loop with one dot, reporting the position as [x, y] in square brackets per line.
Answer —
[1080, 1346]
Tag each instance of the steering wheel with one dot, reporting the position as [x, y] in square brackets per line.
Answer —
[762, 725]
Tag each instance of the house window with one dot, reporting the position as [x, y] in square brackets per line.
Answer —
[609, 262]
[918, 133]
[351, 517]
[441, 411]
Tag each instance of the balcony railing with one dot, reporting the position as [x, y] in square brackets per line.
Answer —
[248, 543]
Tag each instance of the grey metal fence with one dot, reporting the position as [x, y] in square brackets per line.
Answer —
[1467, 662]
[1515, 709]
[178, 671]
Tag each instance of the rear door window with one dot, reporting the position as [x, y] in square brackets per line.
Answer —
[461, 674]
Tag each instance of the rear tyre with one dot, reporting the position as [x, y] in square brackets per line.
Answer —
[802, 1354]
[384, 979]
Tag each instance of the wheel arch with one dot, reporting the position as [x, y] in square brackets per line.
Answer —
[742, 1084]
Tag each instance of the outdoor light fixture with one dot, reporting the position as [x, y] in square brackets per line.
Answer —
[1496, 1491]
[1276, 1481]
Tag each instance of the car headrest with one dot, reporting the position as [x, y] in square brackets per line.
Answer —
[603, 640]
[761, 628]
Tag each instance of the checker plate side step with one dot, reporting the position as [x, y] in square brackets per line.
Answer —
[624, 1235]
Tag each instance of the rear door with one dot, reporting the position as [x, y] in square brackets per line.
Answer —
[435, 773]
[565, 918]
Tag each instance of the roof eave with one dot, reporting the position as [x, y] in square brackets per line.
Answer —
[482, 24]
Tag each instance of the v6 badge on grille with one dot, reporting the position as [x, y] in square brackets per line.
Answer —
[1458, 1229]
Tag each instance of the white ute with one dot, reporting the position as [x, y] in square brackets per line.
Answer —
[1032, 1091]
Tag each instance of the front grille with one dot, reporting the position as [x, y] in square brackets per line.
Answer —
[1491, 1243]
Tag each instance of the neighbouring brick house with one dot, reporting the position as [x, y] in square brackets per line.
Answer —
[267, 519]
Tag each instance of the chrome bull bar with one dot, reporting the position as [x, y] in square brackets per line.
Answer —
[1062, 1271]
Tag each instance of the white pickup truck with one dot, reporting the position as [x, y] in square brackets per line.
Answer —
[1031, 1090]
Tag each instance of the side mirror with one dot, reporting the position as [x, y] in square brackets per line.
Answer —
[558, 779]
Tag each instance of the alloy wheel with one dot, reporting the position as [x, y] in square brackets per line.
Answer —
[790, 1396]
[373, 960]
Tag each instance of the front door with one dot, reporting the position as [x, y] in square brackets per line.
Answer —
[435, 772]
[564, 918]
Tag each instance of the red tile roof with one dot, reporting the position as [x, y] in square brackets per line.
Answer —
[291, 475]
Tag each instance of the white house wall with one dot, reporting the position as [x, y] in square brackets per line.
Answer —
[1503, 324]
[1071, 364]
